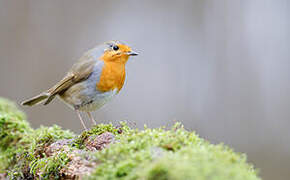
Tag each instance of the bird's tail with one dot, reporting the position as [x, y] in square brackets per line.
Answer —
[36, 100]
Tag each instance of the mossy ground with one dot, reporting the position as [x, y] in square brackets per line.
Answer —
[157, 154]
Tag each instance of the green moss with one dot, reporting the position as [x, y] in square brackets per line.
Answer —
[170, 154]
[43, 137]
[22, 147]
[32, 158]
[215, 163]
[13, 127]
[49, 167]
[158, 154]
[96, 130]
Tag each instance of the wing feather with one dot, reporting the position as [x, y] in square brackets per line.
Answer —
[79, 72]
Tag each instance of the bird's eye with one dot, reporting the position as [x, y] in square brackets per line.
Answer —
[115, 48]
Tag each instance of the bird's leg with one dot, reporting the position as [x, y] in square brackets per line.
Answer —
[80, 117]
[91, 118]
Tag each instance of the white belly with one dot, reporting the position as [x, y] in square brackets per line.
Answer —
[98, 101]
[91, 103]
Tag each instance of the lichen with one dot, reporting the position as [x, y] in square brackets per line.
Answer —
[109, 152]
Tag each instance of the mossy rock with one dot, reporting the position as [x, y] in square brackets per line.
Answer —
[109, 152]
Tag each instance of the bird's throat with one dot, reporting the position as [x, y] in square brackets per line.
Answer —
[112, 77]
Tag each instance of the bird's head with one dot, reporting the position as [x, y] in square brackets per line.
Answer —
[116, 51]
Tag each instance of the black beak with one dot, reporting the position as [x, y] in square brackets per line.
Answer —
[132, 53]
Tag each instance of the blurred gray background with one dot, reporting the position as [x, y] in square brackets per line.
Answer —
[220, 67]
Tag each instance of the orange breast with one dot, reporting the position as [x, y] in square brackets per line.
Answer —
[112, 77]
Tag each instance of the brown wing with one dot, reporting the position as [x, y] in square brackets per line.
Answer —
[79, 72]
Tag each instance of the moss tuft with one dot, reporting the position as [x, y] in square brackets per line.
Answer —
[13, 127]
[49, 167]
[43, 137]
[170, 154]
[33, 158]
[97, 130]
[22, 148]
[210, 162]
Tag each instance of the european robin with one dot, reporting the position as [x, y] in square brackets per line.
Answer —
[92, 81]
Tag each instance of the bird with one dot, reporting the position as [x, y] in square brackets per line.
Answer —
[92, 81]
